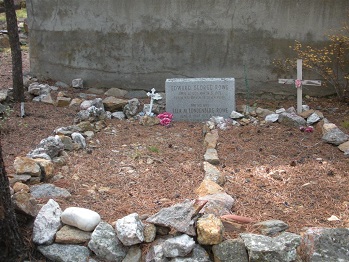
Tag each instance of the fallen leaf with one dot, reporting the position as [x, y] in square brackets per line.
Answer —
[238, 219]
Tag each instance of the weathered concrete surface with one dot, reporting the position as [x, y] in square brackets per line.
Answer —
[139, 44]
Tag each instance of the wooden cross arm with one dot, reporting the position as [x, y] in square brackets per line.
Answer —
[304, 82]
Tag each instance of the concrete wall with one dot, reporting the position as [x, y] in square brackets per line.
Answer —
[136, 44]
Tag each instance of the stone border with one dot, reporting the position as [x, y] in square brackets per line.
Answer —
[209, 222]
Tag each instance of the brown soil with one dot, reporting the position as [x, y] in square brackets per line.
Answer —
[133, 168]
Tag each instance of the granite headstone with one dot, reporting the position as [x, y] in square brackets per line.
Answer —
[198, 99]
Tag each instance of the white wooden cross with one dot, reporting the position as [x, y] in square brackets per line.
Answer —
[153, 97]
[299, 82]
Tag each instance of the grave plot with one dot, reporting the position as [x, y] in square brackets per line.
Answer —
[273, 171]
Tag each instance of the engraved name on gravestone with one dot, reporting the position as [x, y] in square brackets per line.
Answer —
[198, 99]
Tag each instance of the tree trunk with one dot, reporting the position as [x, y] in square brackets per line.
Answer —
[11, 243]
[12, 28]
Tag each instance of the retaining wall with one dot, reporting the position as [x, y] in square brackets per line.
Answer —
[134, 44]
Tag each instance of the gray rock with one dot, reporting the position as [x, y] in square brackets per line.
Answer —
[290, 119]
[89, 134]
[156, 253]
[313, 118]
[178, 216]
[217, 204]
[86, 96]
[61, 160]
[25, 203]
[271, 227]
[263, 248]
[105, 244]
[52, 146]
[272, 118]
[3, 95]
[68, 130]
[179, 246]
[47, 223]
[231, 250]
[97, 102]
[280, 110]
[136, 94]
[96, 91]
[20, 178]
[39, 153]
[333, 135]
[129, 230]
[134, 254]
[116, 92]
[67, 142]
[211, 156]
[37, 89]
[291, 110]
[48, 190]
[46, 98]
[325, 244]
[86, 104]
[3, 109]
[132, 108]
[261, 112]
[77, 83]
[198, 254]
[118, 115]
[212, 173]
[236, 115]
[305, 108]
[108, 113]
[79, 139]
[61, 84]
[92, 114]
[65, 253]
[34, 89]
[217, 120]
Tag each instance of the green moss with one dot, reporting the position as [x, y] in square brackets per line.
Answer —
[153, 149]
[345, 124]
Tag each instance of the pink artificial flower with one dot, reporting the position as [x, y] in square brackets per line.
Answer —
[309, 129]
[165, 115]
[298, 83]
[160, 116]
[302, 128]
[165, 121]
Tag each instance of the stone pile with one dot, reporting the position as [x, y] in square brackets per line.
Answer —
[197, 226]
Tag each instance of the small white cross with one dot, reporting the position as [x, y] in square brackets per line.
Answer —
[153, 97]
[299, 83]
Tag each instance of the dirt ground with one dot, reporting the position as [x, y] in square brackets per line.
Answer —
[132, 168]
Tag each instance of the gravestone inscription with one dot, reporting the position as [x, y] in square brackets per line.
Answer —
[198, 99]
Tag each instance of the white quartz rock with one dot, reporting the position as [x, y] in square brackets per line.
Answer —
[82, 218]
